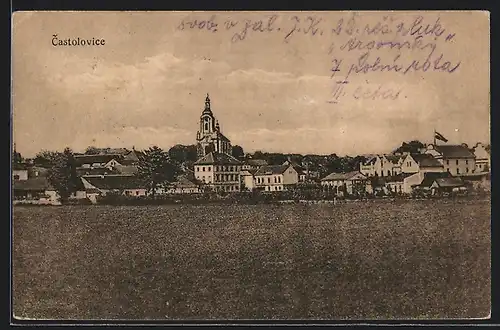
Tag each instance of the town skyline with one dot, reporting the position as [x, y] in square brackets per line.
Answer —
[146, 86]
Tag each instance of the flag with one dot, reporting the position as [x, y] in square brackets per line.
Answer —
[440, 137]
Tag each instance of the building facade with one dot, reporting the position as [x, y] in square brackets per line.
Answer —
[219, 172]
[346, 183]
[276, 177]
[456, 159]
[209, 137]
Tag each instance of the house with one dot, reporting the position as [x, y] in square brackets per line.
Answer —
[276, 177]
[427, 179]
[456, 159]
[367, 168]
[98, 161]
[424, 163]
[122, 184]
[35, 191]
[483, 157]
[449, 185]
[394, 164]
[219, 172]
[183, 185]
[381, 165]
[346, 183]
[253, 164]
[300, 170]
[400, 183]
[98, 171]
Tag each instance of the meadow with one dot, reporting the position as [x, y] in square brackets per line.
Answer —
[356, 260]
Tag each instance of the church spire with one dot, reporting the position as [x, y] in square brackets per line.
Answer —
[207, 102]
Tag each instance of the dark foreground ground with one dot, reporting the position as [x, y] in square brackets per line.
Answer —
[359, 260]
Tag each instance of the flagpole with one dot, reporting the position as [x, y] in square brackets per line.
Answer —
[434, 137]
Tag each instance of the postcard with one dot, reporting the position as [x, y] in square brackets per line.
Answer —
[272, 166]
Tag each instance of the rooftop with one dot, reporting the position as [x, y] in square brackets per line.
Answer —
[115, 182]
[33, 184]
[430, 177]
[454, 151]
[272, 169]
[342, 176]
[426, 160]
[217, 158]
[101, 158]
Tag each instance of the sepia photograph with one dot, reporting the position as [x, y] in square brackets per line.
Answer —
[239, 165]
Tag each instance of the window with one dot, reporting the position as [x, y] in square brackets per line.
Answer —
[16, 177]
[466, 170]
[209, 169]
[458, 171]
[203, 169]
[275, 180]
[457, 161]
[466, 162]
[279, 179]
[206, 126]
[197, 169]
[137, 193]
[268, 180]
[447, 162]
[203, 178]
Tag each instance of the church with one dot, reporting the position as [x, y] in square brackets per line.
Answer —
[209, 137]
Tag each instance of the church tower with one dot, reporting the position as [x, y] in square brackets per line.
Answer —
[209, 137]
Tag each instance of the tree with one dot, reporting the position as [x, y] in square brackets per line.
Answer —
[44, 158]
[237, 152]
[17, 159]
[91, 150]
[412, 147]
[183, 153]
[62, 172]
[156, 169]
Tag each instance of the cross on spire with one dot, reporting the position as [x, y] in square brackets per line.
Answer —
[207, 102]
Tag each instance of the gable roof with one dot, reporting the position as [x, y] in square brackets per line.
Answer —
[370, 161]
[454, 151]
[112, 182]
[394, 158]
[272, 169]
[217, 158]
[91, 159]
[343, 176]
[33, 184]
[430, 177]
[449, 182]
[426, 160]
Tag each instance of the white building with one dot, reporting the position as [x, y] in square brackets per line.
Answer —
[349, 183]
[276, 177]
[218, 172]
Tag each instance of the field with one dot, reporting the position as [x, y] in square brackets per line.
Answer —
[358, 260]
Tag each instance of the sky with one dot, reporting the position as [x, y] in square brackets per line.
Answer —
[147, 85]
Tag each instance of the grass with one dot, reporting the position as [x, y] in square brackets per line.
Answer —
[359, 260]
